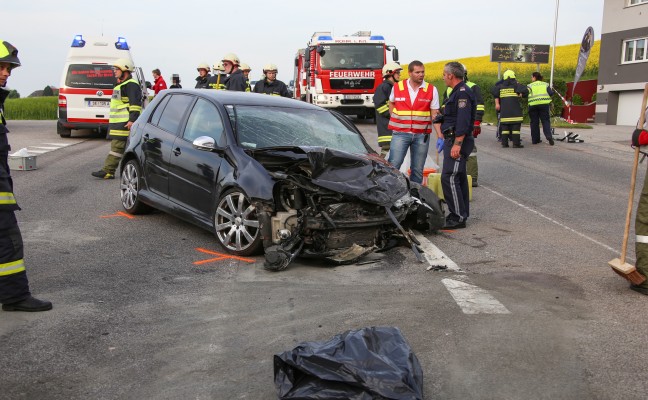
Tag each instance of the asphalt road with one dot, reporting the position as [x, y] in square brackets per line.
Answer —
[135, 317]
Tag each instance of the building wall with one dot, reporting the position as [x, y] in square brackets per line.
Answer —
[620, 22]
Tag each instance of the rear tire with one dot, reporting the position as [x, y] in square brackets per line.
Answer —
[129, 186]
[63, 131]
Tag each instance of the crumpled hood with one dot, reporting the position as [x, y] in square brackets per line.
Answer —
[367, 177]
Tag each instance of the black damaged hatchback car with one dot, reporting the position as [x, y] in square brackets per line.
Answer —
[270, 174]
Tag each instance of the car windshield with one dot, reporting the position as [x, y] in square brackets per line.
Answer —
[259, 127]
[352, 56]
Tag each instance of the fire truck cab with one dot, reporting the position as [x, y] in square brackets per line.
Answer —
[342, 72]
[87, 83]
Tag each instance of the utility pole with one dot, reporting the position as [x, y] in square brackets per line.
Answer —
[553, 56]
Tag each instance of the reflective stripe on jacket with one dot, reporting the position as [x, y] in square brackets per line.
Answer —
[412, 118]
[124, 102]
[538, 93]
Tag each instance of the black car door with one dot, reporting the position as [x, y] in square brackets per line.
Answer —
[193, 173]
[158, 138]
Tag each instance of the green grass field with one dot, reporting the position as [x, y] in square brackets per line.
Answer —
[31, 108]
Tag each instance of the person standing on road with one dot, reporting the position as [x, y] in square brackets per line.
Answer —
[459, 113]
[236, 80]
[507, 96]
[218, 80]
[246, 72]
[539, 102]
[202, 81]
[640, 138]
[175, 82]
[14, 286]
[471, 165]
[125, 107]
[391, 74]
[270, 84]
[158, 82]
[413, 105]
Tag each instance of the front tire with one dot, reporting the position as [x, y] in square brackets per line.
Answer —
[236, 224]
[130, 186]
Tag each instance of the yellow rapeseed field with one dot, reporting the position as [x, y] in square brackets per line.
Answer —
[565, 65]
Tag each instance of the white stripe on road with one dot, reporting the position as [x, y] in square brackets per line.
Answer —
[434, 256]
[554, 221]
[472, 299]
[44, 147]
[61, 144]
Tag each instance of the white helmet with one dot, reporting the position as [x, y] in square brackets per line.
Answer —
[390, 68]
[123, 64]
[219, 67]
[245, 67]
[270, 67]
[203, 66]
[233, 58]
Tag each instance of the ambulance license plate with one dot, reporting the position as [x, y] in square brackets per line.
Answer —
[353, 97]
[97, 103]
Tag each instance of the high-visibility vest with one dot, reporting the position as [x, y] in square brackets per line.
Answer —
[412, 118]
[120, 108]
[538, 93]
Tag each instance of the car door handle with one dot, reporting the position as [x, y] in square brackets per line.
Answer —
[146, 137]
[177, 151]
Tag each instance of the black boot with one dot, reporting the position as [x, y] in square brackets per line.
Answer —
[516, 142]
[505, 141]
[28, 304]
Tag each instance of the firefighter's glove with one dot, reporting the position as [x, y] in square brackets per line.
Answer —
[477, 128]
[439, 145]
[639, 137]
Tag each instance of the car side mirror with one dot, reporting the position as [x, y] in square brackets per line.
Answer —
[206, 143]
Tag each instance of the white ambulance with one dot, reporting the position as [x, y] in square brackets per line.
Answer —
[87, 83]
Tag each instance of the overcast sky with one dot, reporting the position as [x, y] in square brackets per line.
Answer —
[175, 36]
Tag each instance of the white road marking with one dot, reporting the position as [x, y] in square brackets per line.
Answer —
[434, 256]
[48, 147]
[554, 221]
[472, 299]
[61, 144]
[45, 147]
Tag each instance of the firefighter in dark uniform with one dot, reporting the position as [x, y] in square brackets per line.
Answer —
[457, 128]
[471, 165]
[507, 96]
[236, 80]
[218, 80]
[202, 81]
[270, 84]
[125, 108]
[391, 74]
[14, 286]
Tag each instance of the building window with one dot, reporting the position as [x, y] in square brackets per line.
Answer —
[635, 2]
[634, 50]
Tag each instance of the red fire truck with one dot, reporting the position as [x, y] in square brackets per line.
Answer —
[342, 72]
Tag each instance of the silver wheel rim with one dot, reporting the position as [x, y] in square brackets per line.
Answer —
[236, 220]
[129, 186]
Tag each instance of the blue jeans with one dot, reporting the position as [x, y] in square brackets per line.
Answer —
[418, 144]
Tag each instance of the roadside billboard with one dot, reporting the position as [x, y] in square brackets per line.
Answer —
[520, 53]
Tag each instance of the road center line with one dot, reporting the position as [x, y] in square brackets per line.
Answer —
[605, 246]
[434, 256]
[472, 299]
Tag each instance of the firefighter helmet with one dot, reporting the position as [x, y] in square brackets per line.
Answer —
[390, 68]
[219, 67]
[270, 67]
[203, 66]
[123, 64]
[231, 57]
[9, 54]
[509, 74]
[245, 67]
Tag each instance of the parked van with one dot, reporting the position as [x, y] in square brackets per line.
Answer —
[87, 83]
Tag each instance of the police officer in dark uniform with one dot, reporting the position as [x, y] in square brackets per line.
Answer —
[457, 127]
[14, 286]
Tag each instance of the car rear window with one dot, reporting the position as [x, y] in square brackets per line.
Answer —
[95, 76]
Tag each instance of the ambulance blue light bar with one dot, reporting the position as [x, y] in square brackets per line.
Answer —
[325, 37]
[377, 37]
[121, 44]
[78, 41]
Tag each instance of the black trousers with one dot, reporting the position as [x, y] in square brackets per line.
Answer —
[537, 114]
[14, 287]
[454, 183]
[511, 131]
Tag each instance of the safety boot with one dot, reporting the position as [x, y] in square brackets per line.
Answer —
[505, 141]
[103, 174]
[30, 304]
